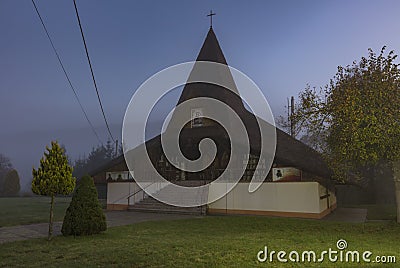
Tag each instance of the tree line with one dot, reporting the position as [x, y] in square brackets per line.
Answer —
[99, 156]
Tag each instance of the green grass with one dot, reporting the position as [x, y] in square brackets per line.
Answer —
[379, 211]
[204, 242]
[27, 210]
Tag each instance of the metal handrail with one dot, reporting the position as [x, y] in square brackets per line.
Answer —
[140, 190]
[143, 189]
[130, 195]
[115, 201]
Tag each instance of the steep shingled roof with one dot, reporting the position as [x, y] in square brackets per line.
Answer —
[212, 52]
[289, 151]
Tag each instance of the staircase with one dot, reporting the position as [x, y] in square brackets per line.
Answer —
[150, 204]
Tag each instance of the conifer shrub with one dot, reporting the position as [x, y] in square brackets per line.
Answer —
[84, 215]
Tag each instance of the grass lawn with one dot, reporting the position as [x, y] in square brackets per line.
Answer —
[27, 210]
[212, 241]
[381, 212]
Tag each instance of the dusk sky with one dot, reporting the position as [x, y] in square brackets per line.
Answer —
[281, 45]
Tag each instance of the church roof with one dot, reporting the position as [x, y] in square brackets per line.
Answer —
[289, 151]
[211, 50]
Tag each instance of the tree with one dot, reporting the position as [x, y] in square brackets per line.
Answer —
[5, 166]
[54, 176]
[5, 163]
[96, 158]
[11, 183]
[358, 116]
[84, 215]
[303, 129]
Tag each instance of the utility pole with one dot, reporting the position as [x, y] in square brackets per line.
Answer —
[116, 148]
[288, 115]
[292, 123]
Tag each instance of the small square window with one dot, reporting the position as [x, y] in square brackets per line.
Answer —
[197, 117]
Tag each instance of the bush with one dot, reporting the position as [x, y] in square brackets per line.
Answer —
[84, 215]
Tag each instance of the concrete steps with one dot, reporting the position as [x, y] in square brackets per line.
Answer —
[150, 204]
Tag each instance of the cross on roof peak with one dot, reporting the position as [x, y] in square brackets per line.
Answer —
[211, 15]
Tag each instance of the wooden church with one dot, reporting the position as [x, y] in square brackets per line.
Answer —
[297, 185]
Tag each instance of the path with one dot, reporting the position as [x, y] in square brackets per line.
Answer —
[114, 218]
[347, 215]
[119, 218]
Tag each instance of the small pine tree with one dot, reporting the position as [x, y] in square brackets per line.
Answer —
[84, 215]
[54, 176]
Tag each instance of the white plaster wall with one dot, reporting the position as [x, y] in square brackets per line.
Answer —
[117, 193]
[284, 197]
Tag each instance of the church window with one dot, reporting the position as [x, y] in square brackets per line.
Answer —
[197, 117]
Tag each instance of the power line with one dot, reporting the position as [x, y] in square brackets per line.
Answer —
[66, 74]
[91, 70]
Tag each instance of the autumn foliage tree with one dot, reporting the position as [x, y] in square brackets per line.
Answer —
[53, 177]
[357, 116]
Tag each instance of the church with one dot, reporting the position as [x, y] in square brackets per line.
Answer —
[297, 185]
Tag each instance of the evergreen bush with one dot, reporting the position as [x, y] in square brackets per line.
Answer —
[84, 215]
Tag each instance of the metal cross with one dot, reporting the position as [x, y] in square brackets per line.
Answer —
[210, 15]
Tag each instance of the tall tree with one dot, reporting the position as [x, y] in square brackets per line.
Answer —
[358, 116]
[96, 158]
[11, 185]
[53, 177]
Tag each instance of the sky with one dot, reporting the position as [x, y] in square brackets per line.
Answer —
[281, 45]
